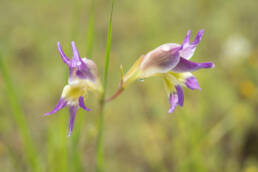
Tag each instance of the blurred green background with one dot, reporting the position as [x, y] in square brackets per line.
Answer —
[215, 131]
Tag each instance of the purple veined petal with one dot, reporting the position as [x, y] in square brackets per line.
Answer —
[83, 71]
[60, 105]
[192, 83]
[72, 110]
[198, 37]
[82, 104]
[172, 59]
[62, 54]
[188, 66]
[180, 95]
[173, 100]
[161, 59]
[82, 74]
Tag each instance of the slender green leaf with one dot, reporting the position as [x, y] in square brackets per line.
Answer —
[100, 151]
[19, 117]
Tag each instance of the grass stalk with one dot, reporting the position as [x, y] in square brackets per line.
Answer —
[19, 116]
[100, 149]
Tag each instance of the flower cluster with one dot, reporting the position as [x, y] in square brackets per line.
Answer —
[83, 77]
[170, 61]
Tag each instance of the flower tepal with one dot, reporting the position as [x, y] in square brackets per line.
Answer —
[83, 77]
[170, 61]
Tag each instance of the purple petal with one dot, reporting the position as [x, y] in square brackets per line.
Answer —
[198, 37]
[188, 66]
[187, 38]
[173, 100]
[188, 51]
[176, 98]
[77, 67]
[76, 56]
[192, 83]
[60, 105]
[180, 95]
[189, 48]
[72, 110]
[161, 59]
[83, 72]
[82, 104]
[171, 59]
[62, 54]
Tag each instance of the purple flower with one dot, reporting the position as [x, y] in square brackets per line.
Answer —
[170, 61]
[82, 77]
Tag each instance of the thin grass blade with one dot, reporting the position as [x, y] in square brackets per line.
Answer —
[19, 116]
[100, 150]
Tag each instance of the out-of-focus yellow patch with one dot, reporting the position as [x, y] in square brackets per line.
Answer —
[251, 169]
[247, 89]
[252, 59]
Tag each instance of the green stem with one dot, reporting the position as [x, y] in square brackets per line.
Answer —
[100, 149]
[20, 119]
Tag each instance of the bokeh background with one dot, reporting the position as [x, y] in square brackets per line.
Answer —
[216, 130]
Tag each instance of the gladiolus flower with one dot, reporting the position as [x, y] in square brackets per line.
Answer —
[82, 77]
[171, 62]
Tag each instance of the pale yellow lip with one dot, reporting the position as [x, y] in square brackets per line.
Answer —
[73, 92]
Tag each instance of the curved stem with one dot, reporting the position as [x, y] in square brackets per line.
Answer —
[118, 92]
